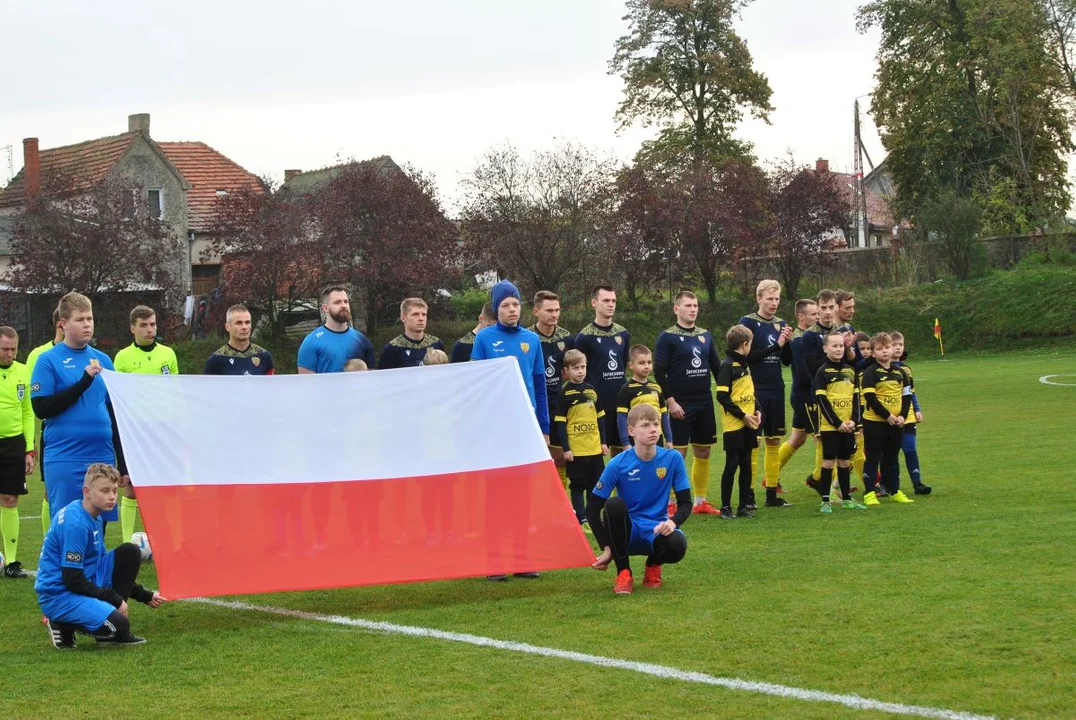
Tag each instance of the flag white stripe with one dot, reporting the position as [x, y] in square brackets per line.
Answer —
[207, 430]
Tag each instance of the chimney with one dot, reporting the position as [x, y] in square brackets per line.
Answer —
[289, 174]
[31, 169]
[138, 123]
[821, 165]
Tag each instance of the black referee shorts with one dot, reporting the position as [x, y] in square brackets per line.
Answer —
[13, 466]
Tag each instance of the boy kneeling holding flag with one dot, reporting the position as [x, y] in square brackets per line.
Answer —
[636, 521]
[81, 587]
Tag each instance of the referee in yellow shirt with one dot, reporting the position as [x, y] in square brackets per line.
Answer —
[16, 445]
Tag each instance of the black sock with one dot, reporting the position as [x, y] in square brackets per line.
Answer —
[826, 482]
[618, 526]
[771, 494]
[844, 479]
[114, 626]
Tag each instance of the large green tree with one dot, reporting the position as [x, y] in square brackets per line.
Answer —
[970, 101]
[687, 72]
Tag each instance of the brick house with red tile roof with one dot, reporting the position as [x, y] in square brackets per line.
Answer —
[879, 189]
[181, 181]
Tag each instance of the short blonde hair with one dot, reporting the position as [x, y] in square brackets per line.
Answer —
[101, 471]
[767, 286]
[737, 336]
[881, 340]
[9, 332]
[355, 365]
[72, 303]
[435, 357]
[896, 336]
[574, 357]
[412, 302]
[641, 412]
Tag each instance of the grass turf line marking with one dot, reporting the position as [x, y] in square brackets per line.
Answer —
[1047, 380]
[662, 671]
[29, 517]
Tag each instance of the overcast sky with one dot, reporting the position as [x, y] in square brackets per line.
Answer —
[430, 82]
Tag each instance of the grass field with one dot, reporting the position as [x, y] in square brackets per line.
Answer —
[962, 601]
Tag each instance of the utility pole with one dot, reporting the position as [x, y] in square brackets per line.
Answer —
[861, 195]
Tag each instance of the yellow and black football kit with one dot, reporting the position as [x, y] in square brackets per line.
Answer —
[883, 395]
[641, 393]
[580, 423]
[736, 396]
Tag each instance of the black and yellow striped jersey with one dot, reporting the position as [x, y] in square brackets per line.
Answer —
[735, 391]
[836, 392]
[578, 413]
[634, 392]
[883, 393]
[16, 414]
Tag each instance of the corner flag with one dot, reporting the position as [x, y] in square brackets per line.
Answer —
[938, 336]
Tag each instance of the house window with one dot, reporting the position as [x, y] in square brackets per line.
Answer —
[156, 202]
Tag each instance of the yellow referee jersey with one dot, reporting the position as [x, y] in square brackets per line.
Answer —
[16, 413]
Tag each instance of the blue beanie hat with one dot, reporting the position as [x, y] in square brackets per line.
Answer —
[502, 290]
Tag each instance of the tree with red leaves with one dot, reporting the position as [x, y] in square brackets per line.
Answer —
[809, 212]
[270, 260]
[382, 230]
[723, 209]
[640, 228]
[101, 239]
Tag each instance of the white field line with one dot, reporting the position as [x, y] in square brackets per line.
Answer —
[1049, 380]
[662, 671]
[29, 517]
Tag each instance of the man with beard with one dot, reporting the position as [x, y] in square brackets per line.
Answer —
[328, 348]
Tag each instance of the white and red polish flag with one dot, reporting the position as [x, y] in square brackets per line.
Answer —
[260, 484]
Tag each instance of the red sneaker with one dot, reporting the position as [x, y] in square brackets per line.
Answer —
[652, 578]
[624, 584]
[705, 508]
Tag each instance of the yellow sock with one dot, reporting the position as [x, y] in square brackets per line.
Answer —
[859, 458]
[787, 451]
[563, 473]
[772, 460]
[700, 478]
[754, 466]
[9, 528]
[46, 517]
[816, 474]
[128, 514]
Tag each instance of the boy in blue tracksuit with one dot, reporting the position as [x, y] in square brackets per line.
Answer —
[508, 339]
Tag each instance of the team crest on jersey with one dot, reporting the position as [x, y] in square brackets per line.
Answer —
[35, 387]
[20, 390]
[165, 370]
[255, 361]
[560, 346]
[525, 347]
[661, 473]
[619, 340]
[702, 339]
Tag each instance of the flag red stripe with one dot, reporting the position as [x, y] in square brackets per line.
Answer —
[238, 539]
